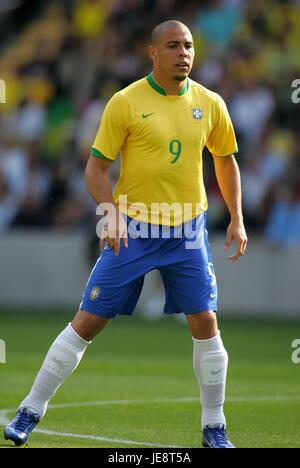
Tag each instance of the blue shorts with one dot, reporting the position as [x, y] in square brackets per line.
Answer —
[185, 264]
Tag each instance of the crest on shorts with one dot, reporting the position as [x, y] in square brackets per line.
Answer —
[197, 113]
[95, 293]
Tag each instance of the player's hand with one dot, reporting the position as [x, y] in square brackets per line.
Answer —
[236, 231]
[114, 232]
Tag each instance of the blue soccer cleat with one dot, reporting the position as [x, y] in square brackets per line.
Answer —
[19, 429]
[216, 437]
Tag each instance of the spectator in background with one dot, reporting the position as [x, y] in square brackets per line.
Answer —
[30, 121]
[218, 21]
[14, 166]
[283, 224]
[251, 109]
[262, 169]
[89, 18]
[9, 204]
[32, 211]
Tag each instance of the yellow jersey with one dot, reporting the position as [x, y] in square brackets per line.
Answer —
[160, 139]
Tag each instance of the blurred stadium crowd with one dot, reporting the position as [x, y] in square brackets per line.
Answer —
[62, 61]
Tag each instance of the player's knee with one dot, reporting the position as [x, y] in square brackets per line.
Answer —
[203, 325]
[208, 318]
[88, 325]
[209, 323]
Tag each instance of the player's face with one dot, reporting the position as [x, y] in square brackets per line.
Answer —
[174, 54]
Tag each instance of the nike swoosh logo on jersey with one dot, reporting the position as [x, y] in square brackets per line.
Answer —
[148, 115]
[216, 372]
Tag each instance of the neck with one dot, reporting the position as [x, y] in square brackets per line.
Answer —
[171, 86]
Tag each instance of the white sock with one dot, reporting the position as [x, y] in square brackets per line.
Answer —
[210, 361]
[62, 359]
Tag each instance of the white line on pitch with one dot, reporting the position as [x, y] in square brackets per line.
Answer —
[4, 419]
[173, 400]
[104, 439]
[125, 402]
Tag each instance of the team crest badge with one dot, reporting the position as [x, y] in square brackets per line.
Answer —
[95, 293]
[197, 113]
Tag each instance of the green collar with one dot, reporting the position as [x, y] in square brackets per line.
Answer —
[162, 90]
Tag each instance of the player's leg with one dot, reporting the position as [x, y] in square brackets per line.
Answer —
[210, 362]
[113, 288]
[61, 361]
[210, 365]
[191, 287]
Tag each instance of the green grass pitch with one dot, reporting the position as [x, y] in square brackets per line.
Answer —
[135, 386]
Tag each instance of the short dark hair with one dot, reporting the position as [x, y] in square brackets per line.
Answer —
[170, 24]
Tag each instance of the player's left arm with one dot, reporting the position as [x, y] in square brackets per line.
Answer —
[229, 181]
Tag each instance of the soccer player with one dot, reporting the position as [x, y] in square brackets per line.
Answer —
[160, 125]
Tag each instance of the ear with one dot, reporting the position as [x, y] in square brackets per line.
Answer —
[152, 51]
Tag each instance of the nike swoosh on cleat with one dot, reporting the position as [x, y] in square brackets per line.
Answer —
[148, 115]
[216, 372]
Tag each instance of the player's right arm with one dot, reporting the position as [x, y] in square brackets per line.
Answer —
[99, 186]
[109, 140]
